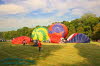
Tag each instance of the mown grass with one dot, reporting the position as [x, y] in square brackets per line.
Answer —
[69, 54]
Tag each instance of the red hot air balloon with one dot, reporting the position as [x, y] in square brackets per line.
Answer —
[56, 32]
[54, 38]
[19, 40]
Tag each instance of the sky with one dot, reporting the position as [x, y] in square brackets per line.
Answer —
[15, 14]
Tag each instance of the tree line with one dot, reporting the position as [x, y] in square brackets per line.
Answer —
[88, 24]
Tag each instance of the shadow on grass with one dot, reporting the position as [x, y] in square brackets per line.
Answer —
[27, 53]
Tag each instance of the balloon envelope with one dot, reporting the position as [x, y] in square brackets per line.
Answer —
[55, 38]
[78, 38]
[19, 40]
[57, 31]
[40, 33]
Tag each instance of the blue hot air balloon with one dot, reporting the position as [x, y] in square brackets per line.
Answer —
[78, 38]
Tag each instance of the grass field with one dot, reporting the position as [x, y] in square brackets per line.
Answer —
[69, 54]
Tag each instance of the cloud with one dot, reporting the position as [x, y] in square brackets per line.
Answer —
[10, 22]
[76, 7]
[24, 22]
[77, 12]
[34, 4]
[24, 6]
[40, 9]
[11, 9]
[47, 6]
[87, 6]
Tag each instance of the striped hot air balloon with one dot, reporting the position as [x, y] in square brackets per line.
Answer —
[40, 33]
[78, 38]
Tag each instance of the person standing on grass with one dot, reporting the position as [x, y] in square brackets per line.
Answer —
[39, 45]
[24, 42]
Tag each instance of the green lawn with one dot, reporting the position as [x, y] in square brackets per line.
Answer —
[69, 54]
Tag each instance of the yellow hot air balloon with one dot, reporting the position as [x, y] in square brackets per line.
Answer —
[40, 33]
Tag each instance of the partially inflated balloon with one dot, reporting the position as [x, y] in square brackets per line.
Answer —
[19, 40]
[55, 38]
[40, 33]
[57, 31]
[78, 38]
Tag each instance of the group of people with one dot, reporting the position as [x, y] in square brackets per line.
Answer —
[37, 43]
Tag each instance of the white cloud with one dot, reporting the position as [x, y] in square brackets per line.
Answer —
[56, 7]
[96, 11]
[79, 6]
[47, 6]
[10, 22]
[93, 7]
[47, 10]
[60, 13]
[22, 22]
[25, 6]
[34, 4]
[77, 12]
[11, 9]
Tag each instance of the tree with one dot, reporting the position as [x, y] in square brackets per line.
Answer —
[89, 21]
[23, 31]
[71, 30]
[96, 28]
[96, 33]
[1, 33]
[80, 29]
[66, 23]
[96, 36]
[87, 15]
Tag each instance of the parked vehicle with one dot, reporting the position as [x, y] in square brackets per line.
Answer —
[2, 40]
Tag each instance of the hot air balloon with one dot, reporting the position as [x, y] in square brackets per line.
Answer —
[20, 39]
[78, 38]
[57, 31]
[54, 38]
[40, 33]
